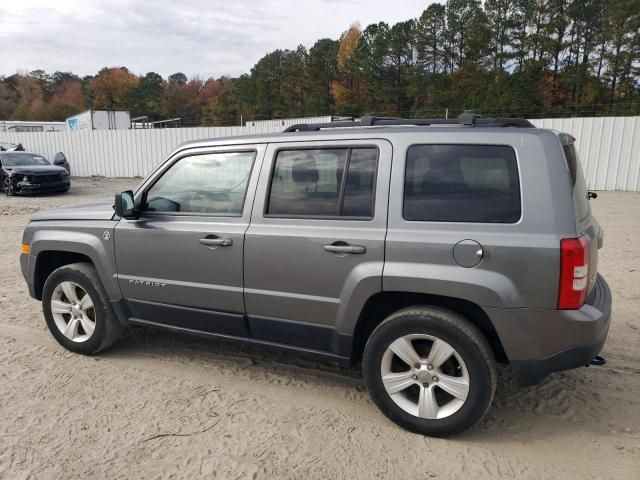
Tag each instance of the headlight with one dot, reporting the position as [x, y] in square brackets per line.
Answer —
[65, 174]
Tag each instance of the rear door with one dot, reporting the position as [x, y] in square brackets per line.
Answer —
[180, 263]
[315, 245]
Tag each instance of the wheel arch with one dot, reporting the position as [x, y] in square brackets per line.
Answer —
[53, 248]
[49, 260]
[382, 304]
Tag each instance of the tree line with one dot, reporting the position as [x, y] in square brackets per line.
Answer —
[499, 57]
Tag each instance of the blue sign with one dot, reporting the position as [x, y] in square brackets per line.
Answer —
[73, 124]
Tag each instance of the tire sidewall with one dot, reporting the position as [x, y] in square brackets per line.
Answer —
[69, 274]
[480, 373]
[7, 186]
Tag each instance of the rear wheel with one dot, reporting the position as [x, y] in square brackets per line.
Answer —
[77, 310]
[430, 371]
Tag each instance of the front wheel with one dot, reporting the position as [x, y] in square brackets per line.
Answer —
[7, 186]
[77, 309]
[430, 371]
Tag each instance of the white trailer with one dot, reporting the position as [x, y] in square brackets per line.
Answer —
[99, 120]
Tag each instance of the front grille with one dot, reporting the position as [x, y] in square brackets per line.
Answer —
[46, 178]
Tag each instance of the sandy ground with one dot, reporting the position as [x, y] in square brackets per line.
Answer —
[159, 405]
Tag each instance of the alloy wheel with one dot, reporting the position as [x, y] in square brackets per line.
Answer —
[425, 376]
[73, 311]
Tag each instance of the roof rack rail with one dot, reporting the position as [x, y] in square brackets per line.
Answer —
[467, 119]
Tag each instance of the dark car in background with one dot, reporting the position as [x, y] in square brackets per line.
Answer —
[23, 172]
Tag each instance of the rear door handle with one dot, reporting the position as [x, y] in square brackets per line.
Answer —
[341, 247]
[213, 241]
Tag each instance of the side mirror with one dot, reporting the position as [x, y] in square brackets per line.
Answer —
[125, 205]
[59, 159]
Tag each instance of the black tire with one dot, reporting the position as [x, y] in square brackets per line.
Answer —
[107, 327]
[6, 186]
[465, 339]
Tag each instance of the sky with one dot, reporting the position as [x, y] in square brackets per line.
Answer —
[207, 38]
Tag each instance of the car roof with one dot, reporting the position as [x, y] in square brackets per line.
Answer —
[360, 133]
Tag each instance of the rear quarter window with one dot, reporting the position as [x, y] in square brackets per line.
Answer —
[580, 199]
[462, 183]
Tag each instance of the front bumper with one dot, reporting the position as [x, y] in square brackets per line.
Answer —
[59, 186]
[538, 342]
[24, 267]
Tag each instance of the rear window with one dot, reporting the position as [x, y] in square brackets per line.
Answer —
[462, 183]
[580, 199]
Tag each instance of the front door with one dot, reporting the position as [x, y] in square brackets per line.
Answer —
[180, 263]
[315, 246]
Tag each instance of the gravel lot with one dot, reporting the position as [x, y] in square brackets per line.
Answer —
[159, 405]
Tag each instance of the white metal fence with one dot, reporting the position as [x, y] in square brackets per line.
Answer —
[609, 148]
[120, 153]
[287, 122]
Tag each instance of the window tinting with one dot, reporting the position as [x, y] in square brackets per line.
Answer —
[580, 199]
[309, 183]
[462, 183]
[358, 194]
[213, 183]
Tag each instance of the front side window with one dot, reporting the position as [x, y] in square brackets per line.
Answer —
[311, 183]
[462, 183]
[212, 183]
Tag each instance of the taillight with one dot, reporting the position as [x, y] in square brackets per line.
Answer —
[574, 273]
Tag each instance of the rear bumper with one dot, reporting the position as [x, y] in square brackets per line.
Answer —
[538, 342]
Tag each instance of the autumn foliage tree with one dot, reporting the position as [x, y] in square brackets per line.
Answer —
[67, 99]
[111, 87]
[347, 85]
[29, 94]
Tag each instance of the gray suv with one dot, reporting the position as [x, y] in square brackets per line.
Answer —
[427, 250]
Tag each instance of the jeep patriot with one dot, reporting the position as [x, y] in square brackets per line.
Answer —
[427, 250]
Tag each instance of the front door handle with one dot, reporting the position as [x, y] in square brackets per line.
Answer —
[342, 247]
[213, 241]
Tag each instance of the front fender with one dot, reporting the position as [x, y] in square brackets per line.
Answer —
[93, 239]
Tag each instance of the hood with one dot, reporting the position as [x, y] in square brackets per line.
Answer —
[34, 169]
[92, 211]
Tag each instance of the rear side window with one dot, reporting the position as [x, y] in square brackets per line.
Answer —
[580, 199]
[311, 183]
[462, 183]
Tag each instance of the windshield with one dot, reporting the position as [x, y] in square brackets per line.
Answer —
[22, 160]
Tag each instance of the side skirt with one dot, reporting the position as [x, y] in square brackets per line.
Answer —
[320, 355]
[317, 341]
